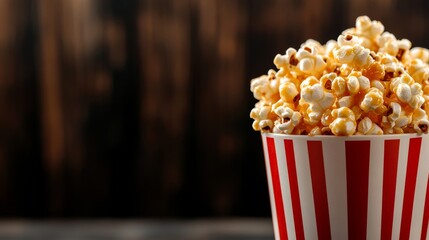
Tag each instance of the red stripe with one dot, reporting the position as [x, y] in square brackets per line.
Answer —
[410, 186]
[281, 220]
[357, 168]
[391, 151]
[315, 154]
[425, 214]
[294, 191]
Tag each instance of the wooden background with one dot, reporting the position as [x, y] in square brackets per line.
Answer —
[113, 108]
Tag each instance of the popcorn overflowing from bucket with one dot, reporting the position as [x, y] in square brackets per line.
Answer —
[367, 82]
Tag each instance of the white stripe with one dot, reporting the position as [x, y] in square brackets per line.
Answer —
[420, 192]
[400, 185]
[336, 186]
[284, 181]
[270, 187]
[305, 189]
[375, 189]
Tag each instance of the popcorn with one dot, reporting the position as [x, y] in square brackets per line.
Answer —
[315, 131]
[265, 87]
[357, 83]
[288, 90]
[368, 28]
[311, 43]
[418, 70]
[365, 82]
[367, 127]
[344, 123]
[394, 113]
[354, 56]
[327, 118]
[339, 86]
[421, 126]
[261, 116]
[408, 91]
[327, 80]
[319, 100]
[347, 40]
[420, 53]
[345, 101]
[420, 121]
[367, 31]
[389, 44]
[375, 70]
[373, 100]
[286, 62]
[377, 84]
[309, 61]
[289, 119]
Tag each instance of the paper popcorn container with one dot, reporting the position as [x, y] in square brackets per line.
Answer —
[357, 187]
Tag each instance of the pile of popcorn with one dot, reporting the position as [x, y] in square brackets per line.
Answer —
[365, 82]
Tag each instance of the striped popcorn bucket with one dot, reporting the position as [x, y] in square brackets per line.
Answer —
[357, 187]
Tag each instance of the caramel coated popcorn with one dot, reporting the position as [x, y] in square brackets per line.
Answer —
[367, 82]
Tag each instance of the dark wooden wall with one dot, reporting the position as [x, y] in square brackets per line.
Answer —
[113, 108]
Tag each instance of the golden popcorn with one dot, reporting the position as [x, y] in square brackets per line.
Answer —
[262, 120]
[355, 56]
[421, 126]
[288, 120]
[309, 61]
[339, 86]
[420, 53]
[288, 90]
[344, 123]
[373, 100]
[367, 31]
[366, 82]
[418, 70]
[367, 127]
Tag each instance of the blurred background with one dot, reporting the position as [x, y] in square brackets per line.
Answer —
[140, 108]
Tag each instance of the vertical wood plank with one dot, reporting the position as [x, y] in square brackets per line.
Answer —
[51, 101]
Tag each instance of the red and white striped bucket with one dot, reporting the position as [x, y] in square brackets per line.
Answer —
[357, 187]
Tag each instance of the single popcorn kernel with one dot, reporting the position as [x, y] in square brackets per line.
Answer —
[367, 127]
[262, 120]
[418, 70]
[312, 94]
[369, 28]
[373, 99]
[377, 84]
[265, 87]
[339, 86]
[344, 123]
[353, 85]
[315, 131]
[345, 101]
[288, 90]
[422, 126]
[286, 62]
[347, 40]
[318, 100]
[327, 80]
[367, 31]
[327, 117]
[289, 119]
[420, 53]
[309, 61]
[365, 82]
[404, 45]
[375, 71]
